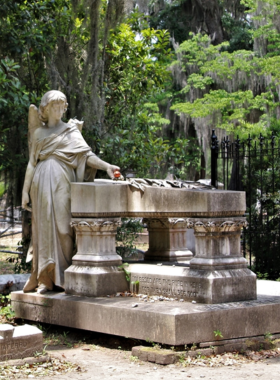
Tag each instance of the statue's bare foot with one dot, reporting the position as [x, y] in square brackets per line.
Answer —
[31, 284]
[42, 289]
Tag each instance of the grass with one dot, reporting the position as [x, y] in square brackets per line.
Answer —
[6, 267]
[2, 188]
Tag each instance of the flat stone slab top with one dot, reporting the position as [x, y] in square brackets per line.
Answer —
[103, 198]
[19, 342]
[169, 322]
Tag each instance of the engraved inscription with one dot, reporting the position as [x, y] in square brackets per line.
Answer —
[168, 287]
[11, 346]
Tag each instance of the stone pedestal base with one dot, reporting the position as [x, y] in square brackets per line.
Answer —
[218, 265]
[95, 281]
[168, 240]
[223, 285]
[180, 282]
[218, 273]
[94, 271]
[168, 322]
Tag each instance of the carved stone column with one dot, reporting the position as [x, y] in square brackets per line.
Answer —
[217, 243]
[167, 240]
[218, 264]
[94, 270]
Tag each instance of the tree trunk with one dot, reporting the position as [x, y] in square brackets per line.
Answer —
[212, 18]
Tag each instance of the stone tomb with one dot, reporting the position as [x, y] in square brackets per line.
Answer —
[19, 342]
[217, 273]
[169, 322]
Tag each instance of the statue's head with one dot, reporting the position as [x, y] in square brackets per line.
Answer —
[52, 96]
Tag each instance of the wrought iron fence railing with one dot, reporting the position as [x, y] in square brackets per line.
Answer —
[253, 166]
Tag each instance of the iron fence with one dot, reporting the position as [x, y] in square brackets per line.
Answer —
[253, 166]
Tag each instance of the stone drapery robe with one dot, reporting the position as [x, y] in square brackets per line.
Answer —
[61, 159]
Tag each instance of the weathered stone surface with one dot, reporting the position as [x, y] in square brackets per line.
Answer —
[94, 281]
[171, 322]
[242, 344]
[96, 244]
[193, 285]
[165, 358]
[109, 198]
[168, 240]
[155, 355]
[20, 341]
[218, 271]
[94, 271]
[217, 242]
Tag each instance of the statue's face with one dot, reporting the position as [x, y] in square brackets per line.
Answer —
[56, 110]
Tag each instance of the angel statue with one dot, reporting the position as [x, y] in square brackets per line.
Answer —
[58, 156]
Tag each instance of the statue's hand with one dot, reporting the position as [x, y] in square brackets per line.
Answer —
[25, 201]
[111, 169]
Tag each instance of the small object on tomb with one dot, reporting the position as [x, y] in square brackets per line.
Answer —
[181, 300]
[193, 301]
[134, 305]
[117, 174]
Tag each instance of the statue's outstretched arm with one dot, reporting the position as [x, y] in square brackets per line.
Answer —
[97, 163]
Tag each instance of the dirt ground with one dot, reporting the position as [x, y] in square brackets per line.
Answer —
[105, 363]
[102, 356]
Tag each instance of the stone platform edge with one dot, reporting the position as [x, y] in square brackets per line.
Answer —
[173, 322]
[169, 356]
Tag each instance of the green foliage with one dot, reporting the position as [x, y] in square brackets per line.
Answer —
[126, 272]
[265, 15]
[2, 189]
[28, 34]
[6, 309]
[137, 70]
[218, 334]
[262, 276]
[239, 32]
[20, 264]
[222, 84]
[127, 235]
[172, 17]
[14, 103]
[137, 76]
[53, 44]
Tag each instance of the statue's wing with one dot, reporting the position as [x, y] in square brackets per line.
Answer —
[79, 124]
[33, 123]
